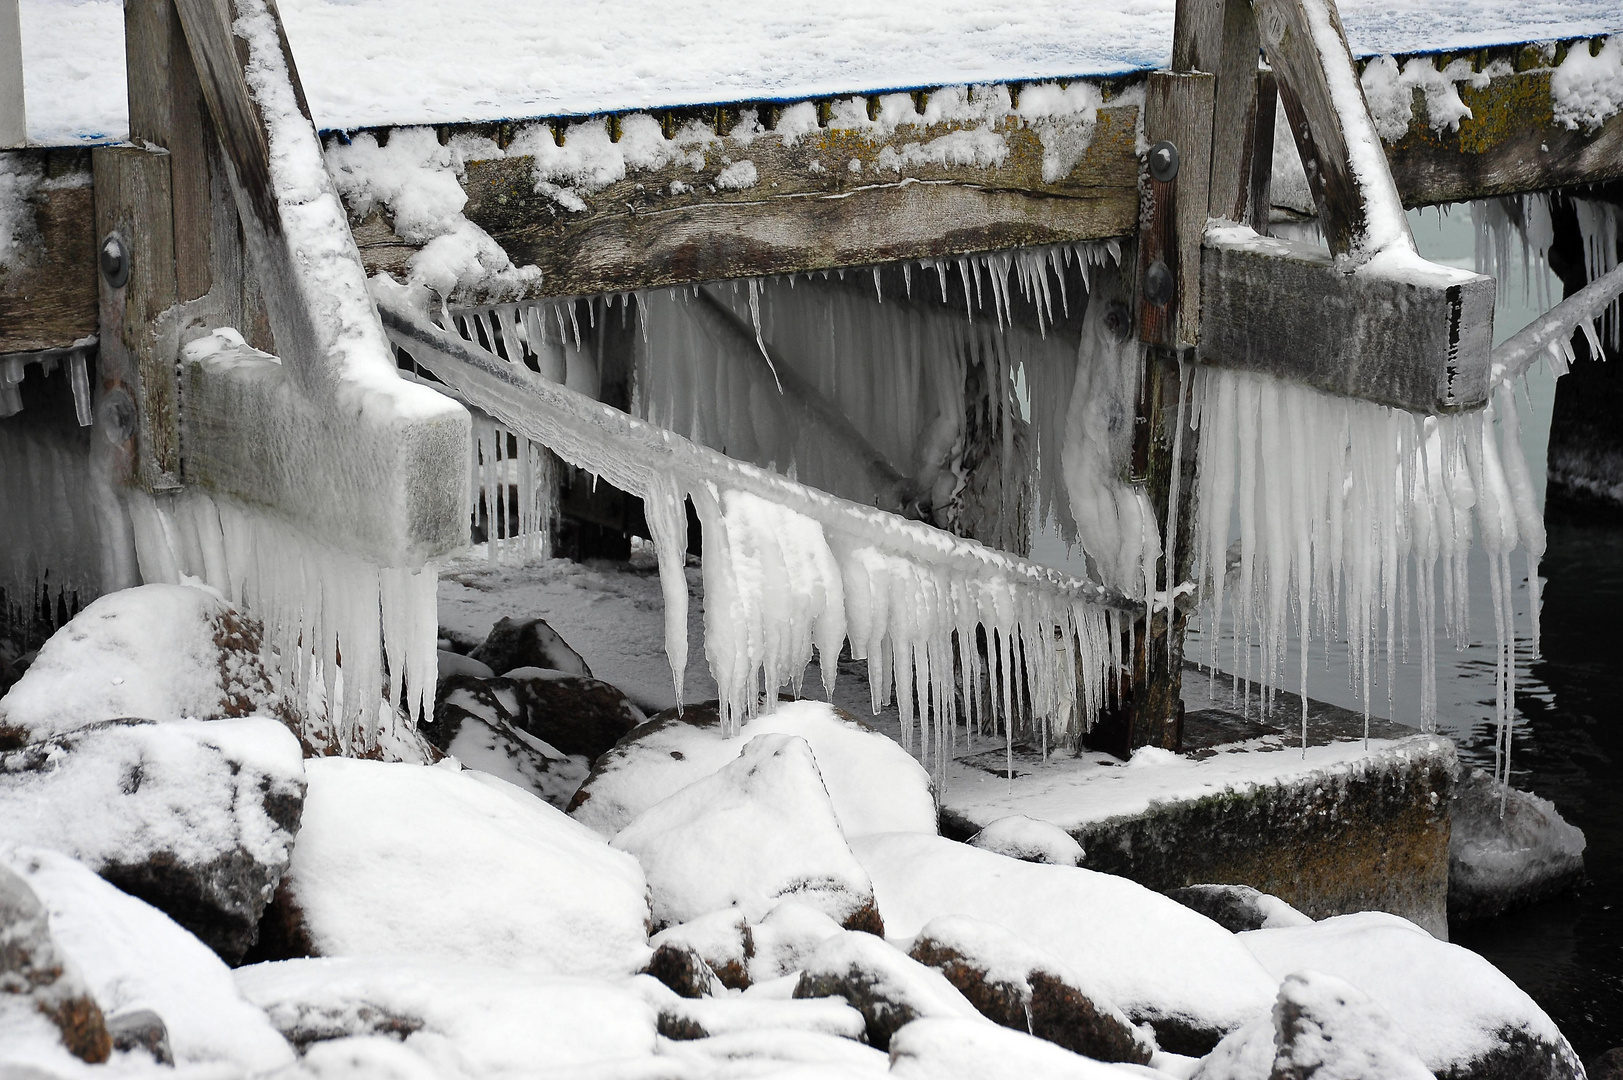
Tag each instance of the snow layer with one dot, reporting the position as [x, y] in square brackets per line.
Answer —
[464, 1019]
[399, 860]
[133, 957]
[888, 976]
[874, 785]
[428, 63]
[1026, 838]
[1587, 90]
[1151, 956]
[1454, 1005]
[943, 1049]
[759, 829]
[159, 652]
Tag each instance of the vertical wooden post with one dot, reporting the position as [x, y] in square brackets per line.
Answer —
[13, 116]
[1235, 114]
[1177, 114]
[1260, 203]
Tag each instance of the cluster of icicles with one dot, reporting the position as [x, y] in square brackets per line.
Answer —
[953, 646]
[322, 607]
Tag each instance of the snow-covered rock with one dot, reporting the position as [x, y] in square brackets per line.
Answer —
[944, 1049]
[1238, 908]
[1030, 840]
[889, 988]
[435, 862]
[681, 968]
[875, 785]
[779, 1052]
[162, 652]
[575, 713]
[455, 663]
[195, 817]
[1464, 1017]
[1156, 960]
[1023, 987]
[134, 956]
[782, 942]
[43, 998]
[760, 829]
[528, 644]
[457, 1019]
[722, 938]
[473, 724]
[737, 1014]
[1498, 863]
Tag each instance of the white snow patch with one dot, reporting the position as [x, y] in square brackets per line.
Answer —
[1390, 92]
[938, 1048]
[1028, 839]
[1588, 90]
[738, 176]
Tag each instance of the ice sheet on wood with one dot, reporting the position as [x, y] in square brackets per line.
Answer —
[432, 63]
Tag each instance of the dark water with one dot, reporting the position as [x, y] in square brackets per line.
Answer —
[1568, 746]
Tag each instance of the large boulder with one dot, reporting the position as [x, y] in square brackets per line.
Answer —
[1501, 861]
[40, 988]
[134, 957]
[940, 1048]
[875, 785]
[474, 723]
[196, 818]
[436, 862]
[528, 643]
[575, 713]
[1464, 1017]
[1237, 908]
[760, 829]
[889, 988]
[483, 1021]
[783, 942]
[1159, 962]
[1025, 988]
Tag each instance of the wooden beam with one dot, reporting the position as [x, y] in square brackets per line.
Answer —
[48, 297]
[1285, 308]
[1235, 128]
[1177, 110]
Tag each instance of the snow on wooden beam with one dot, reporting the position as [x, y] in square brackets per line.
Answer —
[48, 290]
[1417, 338]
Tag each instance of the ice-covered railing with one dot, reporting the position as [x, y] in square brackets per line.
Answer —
[788, 567]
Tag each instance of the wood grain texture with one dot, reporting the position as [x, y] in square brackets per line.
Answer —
[1197, 33]
[1283, 308]
[1234, 114]
[1260, 202]
[1177, 108]
[48, 300]
[133, 201]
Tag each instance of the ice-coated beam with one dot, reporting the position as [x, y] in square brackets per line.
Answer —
[1516, 353]
[628, 452]
[1414, 335]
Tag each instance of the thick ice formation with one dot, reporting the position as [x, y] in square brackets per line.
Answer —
[513, 487]
[317, 602]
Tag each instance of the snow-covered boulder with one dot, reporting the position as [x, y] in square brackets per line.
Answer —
[1030, 840]
[938, 1048]
[1320, 1026]
[876, 786]
[722, 938]
[530, 643]
[1496, 863]
[133, 956]
[195, 817]
[163, 652]
[575, 713]
[1158, 961]
[744, 1014]
[1238, 908]
[760, 829]
[43, 999]
[456, 1018]
[782, 942]
[1022, 987]
[473, 723]
[681, 968]
[1465, 1018]
[889, 988]
[399, 860]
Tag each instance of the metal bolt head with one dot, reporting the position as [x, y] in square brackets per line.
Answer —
[1158, 284]
[115, 416]
[1118, 321]
[115, 261]
[1164, 161]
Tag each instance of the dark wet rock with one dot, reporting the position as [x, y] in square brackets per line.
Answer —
[531, 643]
[1501, 863]
[889, 988]
[575, 714]
[474, 723]
[1607, 1066]
[141, 1029]
[1021, 987]
[196, 818]
[722, 939]
[1237, 908]
[681, 968]
[34, 967]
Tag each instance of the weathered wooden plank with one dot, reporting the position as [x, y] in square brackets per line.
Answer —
[1418, 343]
[1197, 33]
[48, 298]
[1178, 110]
[1510, 143]
[1235, 114]
[138, 392]
[1259, 203]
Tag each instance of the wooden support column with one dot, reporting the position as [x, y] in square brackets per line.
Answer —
[1178, 125]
